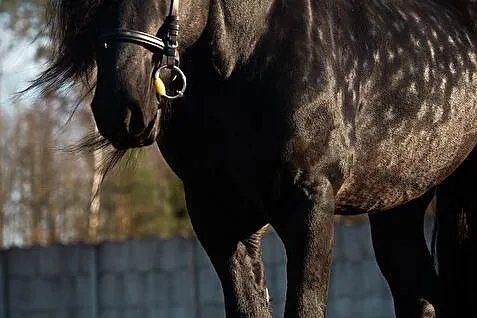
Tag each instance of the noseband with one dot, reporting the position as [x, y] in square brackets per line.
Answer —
[167, 47]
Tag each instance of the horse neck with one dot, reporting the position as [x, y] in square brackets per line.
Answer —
[234, 28]
[239, 30]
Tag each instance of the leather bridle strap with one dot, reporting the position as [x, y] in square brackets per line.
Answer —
[174, 8]
[171, 56]
[152, 43]
[167, 46]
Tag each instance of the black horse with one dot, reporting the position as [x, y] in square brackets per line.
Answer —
[294, 111]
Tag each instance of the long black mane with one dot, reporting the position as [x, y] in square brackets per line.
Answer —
[72, 27]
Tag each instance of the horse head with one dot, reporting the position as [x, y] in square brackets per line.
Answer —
[137, 43]
[120, 70]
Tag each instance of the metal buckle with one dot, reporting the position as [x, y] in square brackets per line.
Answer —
[179, 93]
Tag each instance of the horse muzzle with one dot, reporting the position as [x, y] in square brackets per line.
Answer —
[126, 127]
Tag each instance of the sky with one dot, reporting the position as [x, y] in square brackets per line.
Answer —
[18, 66]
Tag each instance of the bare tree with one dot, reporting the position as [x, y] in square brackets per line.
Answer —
[5, 175]
[50, 198]
[94, 212]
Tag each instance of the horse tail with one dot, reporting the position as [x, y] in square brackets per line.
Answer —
[456, 240]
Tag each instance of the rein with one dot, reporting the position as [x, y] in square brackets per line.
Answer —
[166, 46]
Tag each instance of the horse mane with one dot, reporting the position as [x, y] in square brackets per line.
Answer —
[72, 27]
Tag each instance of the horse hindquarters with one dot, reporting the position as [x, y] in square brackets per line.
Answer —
[404, 259]
[456, 213]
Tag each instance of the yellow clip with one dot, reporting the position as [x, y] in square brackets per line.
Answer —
[160, 87]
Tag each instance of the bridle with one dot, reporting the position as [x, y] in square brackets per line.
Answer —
[166, 46]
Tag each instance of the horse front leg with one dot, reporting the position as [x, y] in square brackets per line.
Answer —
[242, 276]
[306, 228]
[233, 244]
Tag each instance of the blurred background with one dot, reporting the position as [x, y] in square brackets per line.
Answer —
[70, 248]
[45, 193]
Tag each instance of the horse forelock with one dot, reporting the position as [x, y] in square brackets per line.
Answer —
[72, 28]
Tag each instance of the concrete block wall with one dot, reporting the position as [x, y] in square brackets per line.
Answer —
[171, 279]
[47, 282]
[3, 285]
[149, 278]
[357, 288]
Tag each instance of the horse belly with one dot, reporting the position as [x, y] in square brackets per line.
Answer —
[398, 159]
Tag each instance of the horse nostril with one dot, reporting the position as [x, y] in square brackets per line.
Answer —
[137, 123]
